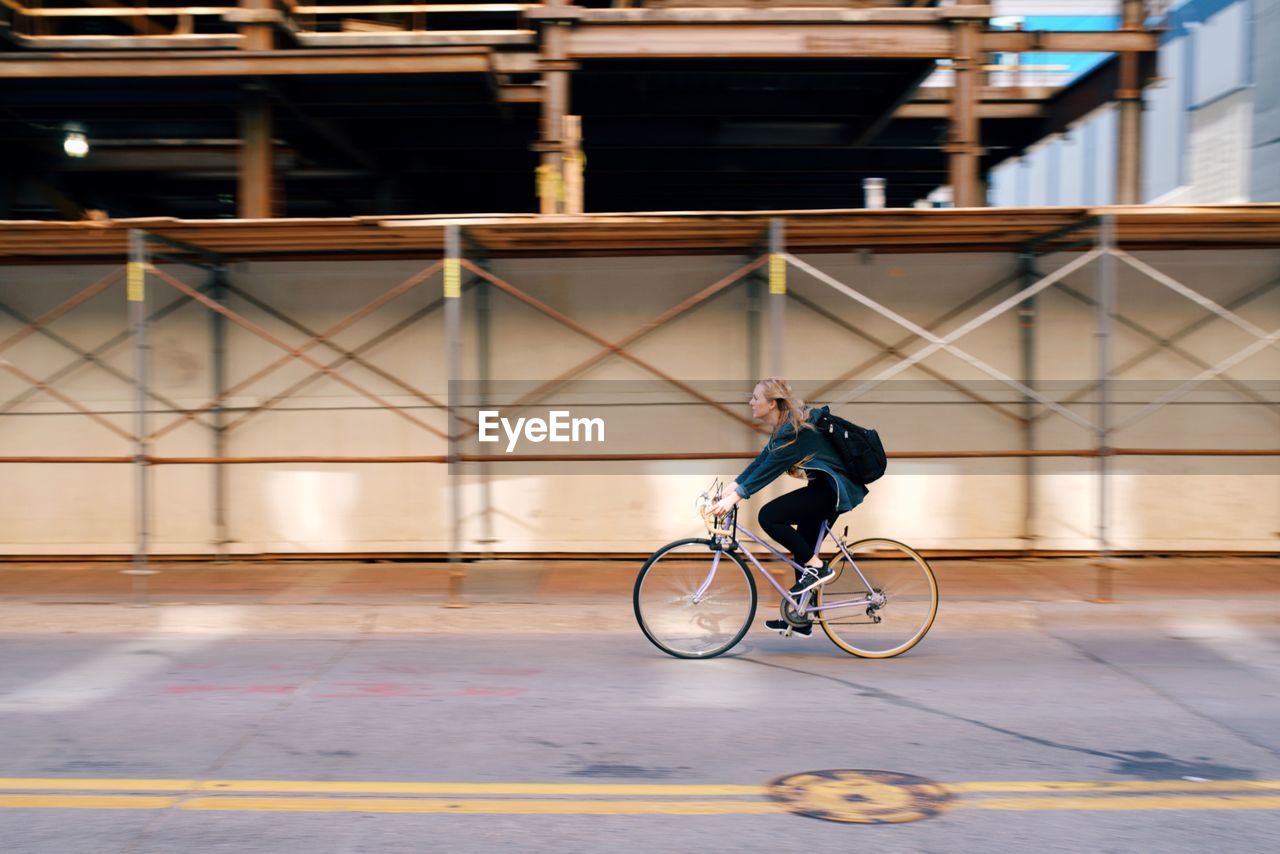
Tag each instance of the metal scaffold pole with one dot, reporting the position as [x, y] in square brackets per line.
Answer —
[754, 310]
[136, 295]
[1105, 310]
[218, 338]
[1027, 330]
[453, 358]
[777, 296]
[754, 287]
[483, 368]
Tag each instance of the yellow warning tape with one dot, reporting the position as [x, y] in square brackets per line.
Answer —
[777, 274]
[550, 183]
[135, 287]
[452, 278]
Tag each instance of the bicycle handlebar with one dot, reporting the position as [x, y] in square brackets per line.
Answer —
[705, 502]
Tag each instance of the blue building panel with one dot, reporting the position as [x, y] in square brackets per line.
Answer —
[1071, 170]
[1220, 50]
[1002, 190]
[1209, 50]
[1164, 130]
[1102, 167]
[1037, 176]
[1022, 181]
[1265, 155]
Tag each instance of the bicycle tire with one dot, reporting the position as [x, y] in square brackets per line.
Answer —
[916, 594]
[670, 619]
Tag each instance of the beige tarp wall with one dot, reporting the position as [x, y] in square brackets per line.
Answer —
[1159, 503]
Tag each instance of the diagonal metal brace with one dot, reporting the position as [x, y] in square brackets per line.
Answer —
[88, 358]
[399, 290]
[686, 305]
[945, 343]
[564, 320]
[296, 353]
[1170, 343]
[103, 348]
[1203, 377]
[345, 355]
[1196, 297]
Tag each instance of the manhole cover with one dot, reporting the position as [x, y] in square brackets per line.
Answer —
[861, 797]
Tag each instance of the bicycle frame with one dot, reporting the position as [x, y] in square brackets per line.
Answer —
[802, 605]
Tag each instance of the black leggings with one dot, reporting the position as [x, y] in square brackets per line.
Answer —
[804, 508]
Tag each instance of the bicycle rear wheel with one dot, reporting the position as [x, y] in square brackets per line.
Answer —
[693, 601]
[904, 593]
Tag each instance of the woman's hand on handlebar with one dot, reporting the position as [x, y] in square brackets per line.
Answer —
[726, 503]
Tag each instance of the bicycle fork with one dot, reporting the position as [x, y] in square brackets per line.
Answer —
[711, 576]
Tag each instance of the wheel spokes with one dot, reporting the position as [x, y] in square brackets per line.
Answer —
[899, 593]
[694, 602]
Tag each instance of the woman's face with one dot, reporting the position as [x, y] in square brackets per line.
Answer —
[761, 407]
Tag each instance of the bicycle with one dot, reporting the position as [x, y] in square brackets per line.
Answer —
[688, 605]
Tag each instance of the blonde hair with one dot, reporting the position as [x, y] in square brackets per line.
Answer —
[791, 409]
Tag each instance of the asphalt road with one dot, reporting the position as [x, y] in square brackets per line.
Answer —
[1061, 735]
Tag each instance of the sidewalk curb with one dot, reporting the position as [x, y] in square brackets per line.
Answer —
[587, 618]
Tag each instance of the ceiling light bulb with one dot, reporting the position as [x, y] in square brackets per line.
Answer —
[76, 144]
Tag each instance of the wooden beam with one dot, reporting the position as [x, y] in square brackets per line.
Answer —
[116, 11]
[940, 110]
[1039, 41]
[649, 37]
[516, 62]
[142, 25]
[243, 64]
[401, 8]
[190, 41]
[518, 93]
[431, 38]
[628, 235]
[654, 41]
[685, 16]
[220, 11]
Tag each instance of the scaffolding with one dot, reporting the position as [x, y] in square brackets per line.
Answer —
[1052, 251]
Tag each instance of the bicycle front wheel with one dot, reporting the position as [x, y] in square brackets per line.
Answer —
[896, 595]
[693, 601]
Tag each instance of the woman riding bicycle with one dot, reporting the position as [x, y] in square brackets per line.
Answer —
[794, 519]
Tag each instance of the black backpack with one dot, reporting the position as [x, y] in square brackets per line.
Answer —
[859, 448]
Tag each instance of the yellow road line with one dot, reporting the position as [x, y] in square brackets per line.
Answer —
[374, 787]
[85, 802]
[605, 807]
[102, 785]
[508, 807]
[604, 798]
[1135, 804]
[380, 788]
[480, 788]
[1113, 786]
